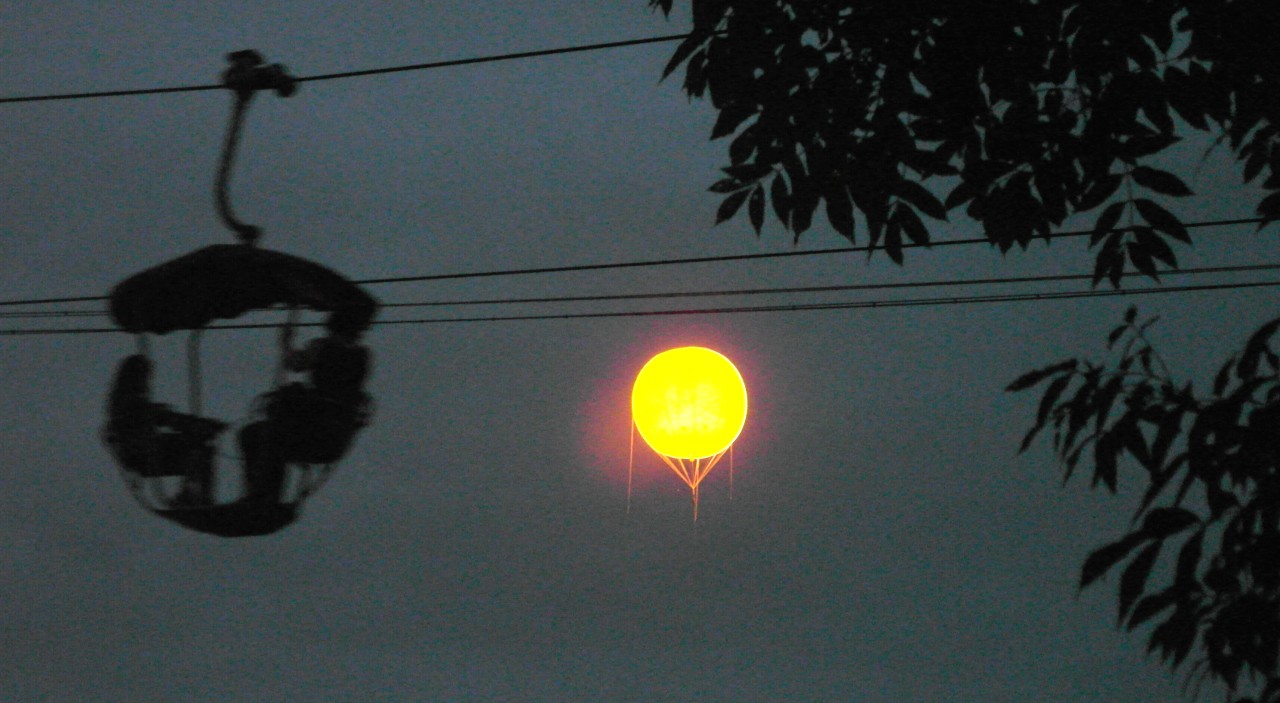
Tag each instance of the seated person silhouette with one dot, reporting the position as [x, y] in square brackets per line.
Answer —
[311, 422]
[151, 440]
[188, 446]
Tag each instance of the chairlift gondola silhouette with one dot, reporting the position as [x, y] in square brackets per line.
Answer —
[297, 430]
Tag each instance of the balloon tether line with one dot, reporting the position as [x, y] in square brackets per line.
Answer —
[631, 461]
[697, 471]
[730, 472]
[692, 473]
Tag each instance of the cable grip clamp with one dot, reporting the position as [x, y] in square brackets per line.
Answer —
[247, 75]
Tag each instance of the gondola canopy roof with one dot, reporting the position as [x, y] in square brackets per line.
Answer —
[225, 281]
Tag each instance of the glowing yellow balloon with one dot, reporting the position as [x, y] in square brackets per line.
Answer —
[689, 403]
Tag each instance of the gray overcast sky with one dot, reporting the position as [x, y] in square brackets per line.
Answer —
[884, 543]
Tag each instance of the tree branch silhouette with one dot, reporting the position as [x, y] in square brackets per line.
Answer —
[1022, 113]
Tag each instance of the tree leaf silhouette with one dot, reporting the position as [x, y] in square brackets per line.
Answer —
[1150, 606]
[1031, 378]
[1161, 182]
[1103, 558]
[1162, 522]
[1161, 219]
[1135, 575]
[755, 207]
[729, 207]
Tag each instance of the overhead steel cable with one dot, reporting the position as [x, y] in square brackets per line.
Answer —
[52, 301]
[573, 268]
[817, 289]
[31, 314]
[109, 93]
[445, 63]
[357, 73]
[497, 57]
[732, 292]
[851, 305]
[798, 307]
[770, 255]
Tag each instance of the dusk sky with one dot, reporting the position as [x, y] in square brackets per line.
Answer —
[884, 541]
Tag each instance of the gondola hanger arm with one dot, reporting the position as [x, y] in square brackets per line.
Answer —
[247, 75]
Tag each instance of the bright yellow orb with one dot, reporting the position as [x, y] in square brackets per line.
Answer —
[689, 403]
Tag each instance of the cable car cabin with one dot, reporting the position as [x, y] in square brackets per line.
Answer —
[298, 429]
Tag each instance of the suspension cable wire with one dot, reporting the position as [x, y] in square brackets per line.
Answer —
[497, 57]
[108, 93]
[542, 270]
[797, 307]
[869, 248]
[853, 305]
[358, 73]
[820, 289]
[53, 301]
[33, 314]
[574, 268]
[446, 63]
[791, 290]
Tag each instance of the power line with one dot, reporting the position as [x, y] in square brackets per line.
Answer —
[33, 314]
[573, 268]
[498, 57]
[352, 74]
[800, 307]
[446, 63]
[817, 289]
[50, 301]
[108, 93]
[632, 264]
[770, 255]
[857, 305]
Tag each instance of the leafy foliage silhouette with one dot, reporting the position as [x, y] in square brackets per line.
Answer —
[1211, 467]
[1021, 111]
